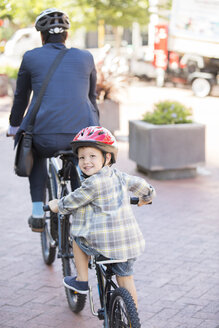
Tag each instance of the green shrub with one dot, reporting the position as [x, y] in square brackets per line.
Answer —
[169, 112]
[10, 71]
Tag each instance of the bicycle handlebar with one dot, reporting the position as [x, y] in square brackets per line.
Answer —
[133, 201]
[46, 208]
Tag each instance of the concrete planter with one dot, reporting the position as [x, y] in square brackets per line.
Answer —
[167, 151]
[109, 115]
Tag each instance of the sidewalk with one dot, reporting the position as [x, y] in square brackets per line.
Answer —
[177, 277]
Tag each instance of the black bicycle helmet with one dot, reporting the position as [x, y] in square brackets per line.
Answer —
[52, 20]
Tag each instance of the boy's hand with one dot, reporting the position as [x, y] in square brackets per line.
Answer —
[53, 205]
[144, 202]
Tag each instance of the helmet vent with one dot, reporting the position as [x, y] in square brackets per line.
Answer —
[43, 23]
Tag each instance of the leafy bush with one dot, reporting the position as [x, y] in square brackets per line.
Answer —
[169, 112]
[10, 71]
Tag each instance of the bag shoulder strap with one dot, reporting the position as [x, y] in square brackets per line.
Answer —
[43, 88]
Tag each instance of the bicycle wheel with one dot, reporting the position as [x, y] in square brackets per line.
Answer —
[122, 310]
[50, 233]
[75, 300]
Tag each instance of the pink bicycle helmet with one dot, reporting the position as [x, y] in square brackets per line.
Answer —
[98, 137]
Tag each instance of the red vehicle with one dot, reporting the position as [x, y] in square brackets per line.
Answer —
[187, 50]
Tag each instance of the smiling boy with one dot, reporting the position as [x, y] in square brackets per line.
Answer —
[103, 220]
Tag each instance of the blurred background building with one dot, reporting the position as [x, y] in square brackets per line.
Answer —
[167, 41]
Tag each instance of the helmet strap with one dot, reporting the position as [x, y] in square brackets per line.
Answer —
[85, 176]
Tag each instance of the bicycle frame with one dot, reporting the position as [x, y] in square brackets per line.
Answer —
[105, 288]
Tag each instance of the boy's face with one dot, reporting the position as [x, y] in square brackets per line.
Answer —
[91, 160]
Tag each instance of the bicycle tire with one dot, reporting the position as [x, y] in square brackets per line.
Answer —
[75, 300]
[122, 310]
[51, 225]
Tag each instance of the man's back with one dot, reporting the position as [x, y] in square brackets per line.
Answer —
[69, 100]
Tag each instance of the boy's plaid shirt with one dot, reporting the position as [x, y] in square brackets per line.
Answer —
[102, 213]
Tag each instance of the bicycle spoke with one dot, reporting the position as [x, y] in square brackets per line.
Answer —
[121, 319]
[76, 301]
[123, 313]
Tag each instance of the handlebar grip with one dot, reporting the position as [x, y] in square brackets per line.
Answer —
[46, 208]
[134, 200]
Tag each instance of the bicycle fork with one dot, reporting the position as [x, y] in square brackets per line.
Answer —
[101, 313]
[92, 303]
[52, 242]
[60, 235]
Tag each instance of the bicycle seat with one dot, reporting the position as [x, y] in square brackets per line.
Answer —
[100, 259]
[67, 153]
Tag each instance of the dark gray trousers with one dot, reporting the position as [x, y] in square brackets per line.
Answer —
[44, 147]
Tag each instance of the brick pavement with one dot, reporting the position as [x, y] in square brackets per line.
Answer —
[177, 277]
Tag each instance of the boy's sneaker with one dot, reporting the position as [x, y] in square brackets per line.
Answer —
[79, 286]
[36, 224]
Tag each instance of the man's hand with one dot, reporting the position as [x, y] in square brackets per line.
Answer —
[143, 202]
[53, 205]
[12, 130]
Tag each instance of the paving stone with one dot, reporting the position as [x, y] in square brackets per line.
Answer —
[209, 324]
[177, 276]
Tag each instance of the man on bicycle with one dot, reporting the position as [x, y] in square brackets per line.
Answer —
[68, 105]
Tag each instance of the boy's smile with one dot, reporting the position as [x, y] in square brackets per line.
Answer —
[90, 160]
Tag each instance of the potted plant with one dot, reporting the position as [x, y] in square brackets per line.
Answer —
[109, 82]
[166, 143]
